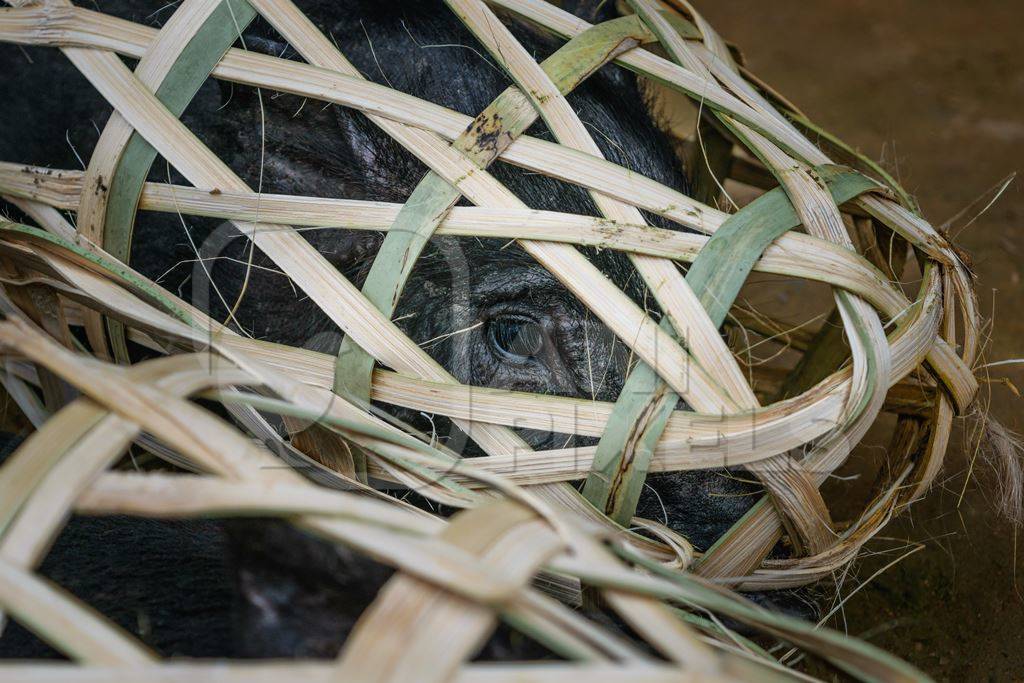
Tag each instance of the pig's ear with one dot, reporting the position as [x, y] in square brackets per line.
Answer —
[296, 595]
[594, 11]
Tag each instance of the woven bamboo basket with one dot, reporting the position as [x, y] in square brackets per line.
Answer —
[528, 543]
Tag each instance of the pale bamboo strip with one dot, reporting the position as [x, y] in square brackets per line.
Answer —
[793, 254]
[200, 436]
[174, 495]
[408, 614]
[184, 671]
[712, 421]
[942, 416]
[46, 216]
[162, 495]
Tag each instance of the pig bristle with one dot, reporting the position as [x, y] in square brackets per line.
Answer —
[1003, 450]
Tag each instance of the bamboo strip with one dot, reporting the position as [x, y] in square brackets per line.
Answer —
[183, 671]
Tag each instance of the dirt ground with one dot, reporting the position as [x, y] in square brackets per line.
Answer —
[935, 89]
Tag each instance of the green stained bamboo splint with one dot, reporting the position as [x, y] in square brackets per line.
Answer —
[491, 132]
[178, 88]
[716, 276]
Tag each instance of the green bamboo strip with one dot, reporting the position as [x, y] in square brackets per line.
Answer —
[484, 140]
[798, 499]
[645, 403]
[183, 80]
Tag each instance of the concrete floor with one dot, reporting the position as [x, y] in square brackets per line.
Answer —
[934, 89]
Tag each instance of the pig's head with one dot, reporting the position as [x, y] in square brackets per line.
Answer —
[483, 308]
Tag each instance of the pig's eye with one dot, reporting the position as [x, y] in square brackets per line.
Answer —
[518, 338]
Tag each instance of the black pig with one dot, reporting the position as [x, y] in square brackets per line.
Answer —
[515, 325]
[522, 329]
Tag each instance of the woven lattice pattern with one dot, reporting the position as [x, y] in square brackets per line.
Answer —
[821, 215]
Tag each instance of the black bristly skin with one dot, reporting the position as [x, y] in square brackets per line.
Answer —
[244, 588]
[464, 293]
